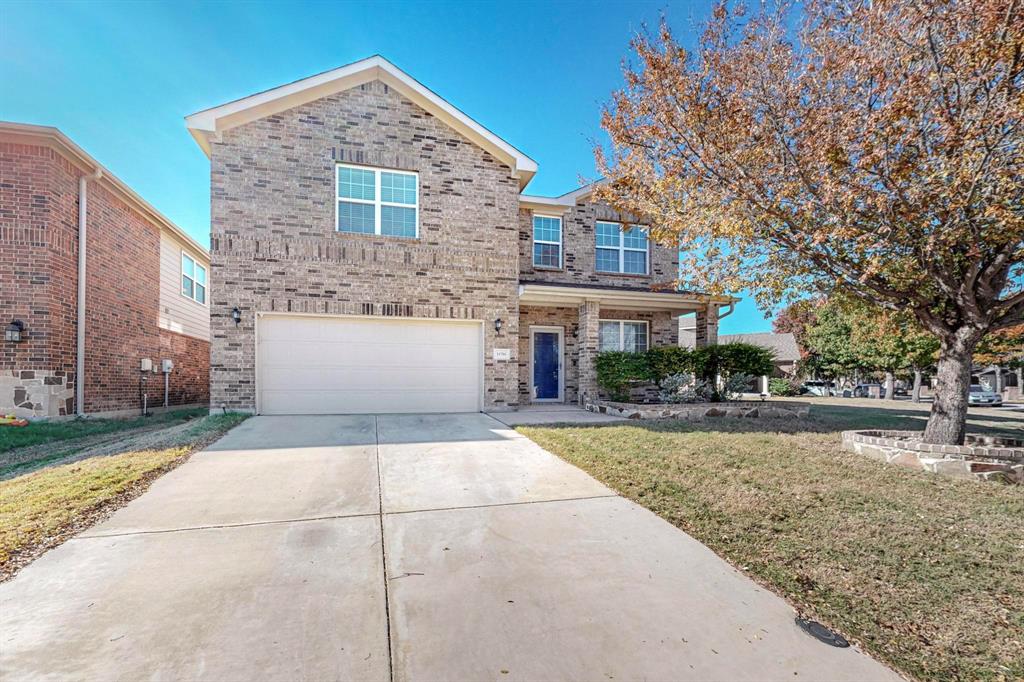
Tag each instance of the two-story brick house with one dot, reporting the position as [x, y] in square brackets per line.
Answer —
[372, 250]
[93, 281]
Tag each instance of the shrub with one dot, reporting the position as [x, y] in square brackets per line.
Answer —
[667, 361]
[783, 387]
[683, 388]
[618, 370]
[734, 386]
[727, 359]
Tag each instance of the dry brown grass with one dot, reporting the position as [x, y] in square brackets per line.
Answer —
[926, 572]
[40, 510]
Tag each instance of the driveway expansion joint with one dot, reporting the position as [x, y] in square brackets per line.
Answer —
[503, 504]
[223, 525]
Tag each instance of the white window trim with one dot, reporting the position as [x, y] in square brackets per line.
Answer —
[543, 241]
[622, 249]
[181, 275]
[622, 332]
[377, 202]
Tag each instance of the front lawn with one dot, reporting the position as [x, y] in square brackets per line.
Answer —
[923, 571]
[40, 510]
[38, 432]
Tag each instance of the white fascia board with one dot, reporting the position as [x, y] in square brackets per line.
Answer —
[56, 138]
[562, 202]
[262, 104]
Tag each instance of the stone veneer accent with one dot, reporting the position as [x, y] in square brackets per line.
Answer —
[699, 411]
[981, 457]
[36, 393]
[39, 285]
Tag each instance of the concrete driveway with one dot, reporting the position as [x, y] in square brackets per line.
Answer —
[406, 547]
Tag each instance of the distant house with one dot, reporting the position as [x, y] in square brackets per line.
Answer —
[787, 353]
[71, 350]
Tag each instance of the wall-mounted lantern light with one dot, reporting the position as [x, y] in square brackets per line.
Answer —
[497, 325]
[15, 331]
[236, 315]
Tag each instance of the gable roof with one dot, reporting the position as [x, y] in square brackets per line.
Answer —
[226, 116]
[562, 202]
[784, 345]
[52, 137]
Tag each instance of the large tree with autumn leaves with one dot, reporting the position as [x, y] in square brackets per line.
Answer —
[868, 147]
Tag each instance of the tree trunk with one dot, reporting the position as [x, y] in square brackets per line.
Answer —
[998, 387]
[947, 422]
[890, 386]
[917, 386]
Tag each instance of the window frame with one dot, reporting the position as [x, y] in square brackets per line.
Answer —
[181, 280]
[622, 334]
[622, 249]
[376, 202]
[559, 243]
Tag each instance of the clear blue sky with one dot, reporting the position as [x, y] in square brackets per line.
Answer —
[118, 78]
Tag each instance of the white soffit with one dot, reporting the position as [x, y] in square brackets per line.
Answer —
[204, 123]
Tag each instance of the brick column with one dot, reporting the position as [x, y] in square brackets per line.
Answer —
[707, 326]
[590, 312]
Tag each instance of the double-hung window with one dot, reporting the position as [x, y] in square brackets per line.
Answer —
[377, 201]
[621, 250]
[547, 241]
[625, 335]
[193, 279]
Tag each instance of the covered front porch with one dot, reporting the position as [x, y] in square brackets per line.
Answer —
[562, 328]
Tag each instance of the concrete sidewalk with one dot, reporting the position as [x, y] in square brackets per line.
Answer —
[405, 547]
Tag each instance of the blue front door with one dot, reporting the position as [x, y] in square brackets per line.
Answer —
[546, 365]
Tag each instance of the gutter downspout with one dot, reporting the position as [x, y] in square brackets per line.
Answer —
[80, 340]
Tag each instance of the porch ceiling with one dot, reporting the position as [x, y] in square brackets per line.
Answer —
[618, 299]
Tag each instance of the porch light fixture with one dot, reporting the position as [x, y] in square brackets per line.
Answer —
[236, 315]
[497, 325]
[14, 331]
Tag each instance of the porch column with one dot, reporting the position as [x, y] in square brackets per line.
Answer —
[707, 326]
[587, 343]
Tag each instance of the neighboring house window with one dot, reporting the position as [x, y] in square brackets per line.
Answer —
[622, 335]
[621, 251]
[377, 201]
[193, 279]
[547, 241]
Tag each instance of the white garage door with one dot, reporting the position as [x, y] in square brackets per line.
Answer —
[345, 365]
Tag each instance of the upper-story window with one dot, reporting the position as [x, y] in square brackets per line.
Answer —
[547, 241]
[378, 201]
[193, 279]
[619, 250]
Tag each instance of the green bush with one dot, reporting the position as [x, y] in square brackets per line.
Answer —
[783, 387]
[727, 359]
[666, 361]
[618, 370]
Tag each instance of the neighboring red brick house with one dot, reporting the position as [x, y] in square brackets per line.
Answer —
[145, 287]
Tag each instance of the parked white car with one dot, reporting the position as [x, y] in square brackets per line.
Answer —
[979, 395]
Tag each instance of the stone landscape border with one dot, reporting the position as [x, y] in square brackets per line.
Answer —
[700, 411]
[981, 457]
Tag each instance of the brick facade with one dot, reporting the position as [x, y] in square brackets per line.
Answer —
[274, 246]
[39, 190]
[579, 246]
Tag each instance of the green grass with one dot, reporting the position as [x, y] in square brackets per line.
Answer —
[39, 432]
[924, 571]
[41, 509]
